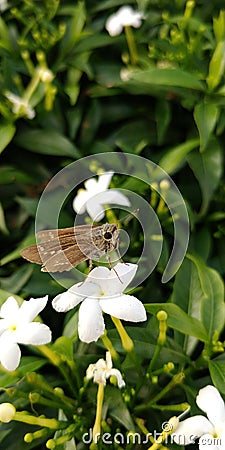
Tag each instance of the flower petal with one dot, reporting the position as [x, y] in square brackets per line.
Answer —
[113, 26]
[112, 196]
[66, 301]
[116, 373]
[113, 282]
[129, 17]
[108, 360]
[94, 204]
[95, 209]
[3, 325]
[91, 324]
[86, 289]
[34, 333]
[92, 186]
[125, 307]
[80, 200]
[9, 308]
[9, 354]
[123, 272]
[221, 439]
[210, 401]
[31, 308]
[208, 442]
[104, 180]
[191, 429]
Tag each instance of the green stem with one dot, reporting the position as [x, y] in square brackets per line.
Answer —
[109, 346]
[154, 358]
[32, 86]
[56, 361]
[131, 45]
[162, 318]
[41, 421]
[98, 418]
[177, 379]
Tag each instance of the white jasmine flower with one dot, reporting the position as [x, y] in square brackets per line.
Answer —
[102, 291]
[96, 194]
[102, 370]
[20, 106]
[16, 327]
[211, 431]
[124, 17]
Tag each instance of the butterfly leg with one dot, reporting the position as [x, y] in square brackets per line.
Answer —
[90, 265]
[111, 266]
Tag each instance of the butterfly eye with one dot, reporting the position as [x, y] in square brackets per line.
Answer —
[107, 236]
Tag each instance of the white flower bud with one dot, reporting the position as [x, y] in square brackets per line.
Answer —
[7, 412]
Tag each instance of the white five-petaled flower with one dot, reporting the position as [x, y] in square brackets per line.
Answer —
[16, 327]
[211, 431]
[102, 370]
[20, 106]
[95, 195]
[124, 17]
[102, 291]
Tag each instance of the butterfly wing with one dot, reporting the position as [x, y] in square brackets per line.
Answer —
[50, 235]
[64, 260]
[58, 249]
[32, 254]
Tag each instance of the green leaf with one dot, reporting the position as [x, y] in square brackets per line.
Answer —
[168, 77]
[219, 26]
[163, 117]
[16, 281]
[206, 116]
[6, 134]
[3, 226]
[29, 204]
[30, 364]
[216, 66]
[217, 372]
[11, 174]
[212, 304]
[63, 346]
[179, 320]
[208, 169]
[74, 30]
[5, 294]
[145, 343]
[30, 240]
[71, 327]
[5, 39]
[47, 142]
[91, 123]
[188, 295]
[134, 136]
[175, 157]
[113, 402]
